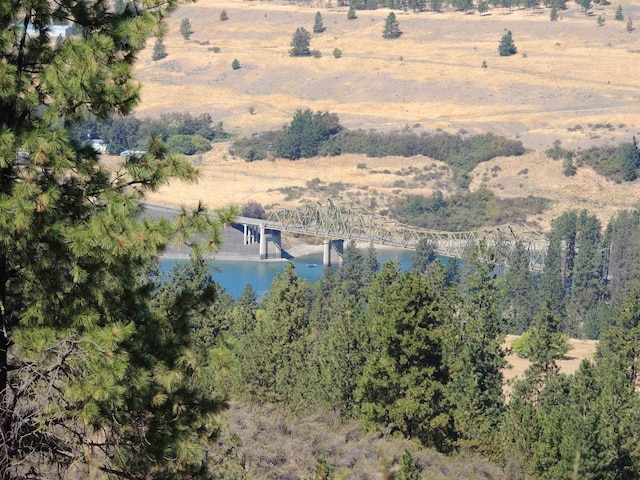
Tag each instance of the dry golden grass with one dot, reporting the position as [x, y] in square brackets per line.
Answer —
[566, 73]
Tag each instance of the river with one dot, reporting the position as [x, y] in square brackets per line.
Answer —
[234, 275]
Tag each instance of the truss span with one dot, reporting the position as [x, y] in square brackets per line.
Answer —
[337, 219]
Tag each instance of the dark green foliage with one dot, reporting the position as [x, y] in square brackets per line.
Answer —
[476, 358]
[520, 291]
[351, 14]
[463, 154]
[300, 42]
[483, 7]
[325, 136]
[159, 51]
[584, 425]
[506, 47]
[318, 26]
[223, 15]
[553, 15]
[585, 5]
[235, 64]
[622, 241]
[130, 133]
[619, 15]
[101, 374]
[188, 144]
[185, 28]
[305, 134]
[464, 211]
[424, 255]
[391, 27]
[559, 153]
[337, 53]
[271, 357]
[404, 380]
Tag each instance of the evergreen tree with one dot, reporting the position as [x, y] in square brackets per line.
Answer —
[483, 7]
[619, 16]
[351, 14]
[318, 27]
[100, 373]
[391, 27]
[235, 64]
[224, 16]
[185, 28]
[520, 291]
[300, 43]
[424, 255]
[403, 385]
[271, 357]
[506, 47]
[476, 359]
[630, 25]
[436, 5]
[553, 16]
[159, 51]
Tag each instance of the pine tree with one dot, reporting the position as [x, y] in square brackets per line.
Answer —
[318, 27]
[553, 16]
[100, 373]
[300, 43]
[403, 384]
[159, 51]
[391, 27]
[271, 356]
[520, 291]
[506, 47]
[630, 25]
[424, 255]
[235, 64]
[475, 358]
[185, 28]
[351, 14]
[619, 15]
[224, 16]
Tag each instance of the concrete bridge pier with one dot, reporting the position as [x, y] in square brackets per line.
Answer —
[249, 234]
[332, 254]
[270, 243]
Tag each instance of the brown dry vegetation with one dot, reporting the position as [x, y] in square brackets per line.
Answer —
[566, 73]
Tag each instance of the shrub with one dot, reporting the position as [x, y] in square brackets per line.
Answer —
[188, 144]
[337, 53]
[235, 64]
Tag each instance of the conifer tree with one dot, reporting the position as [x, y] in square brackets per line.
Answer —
[185, 28]
[159, 51]
[300, 43]
[403, 384]
[475, 358]
[506, 47]
[391, 27]
[351, 14]
[318, 27]
[99, 373]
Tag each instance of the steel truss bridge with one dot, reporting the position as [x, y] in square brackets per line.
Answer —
[336, 219]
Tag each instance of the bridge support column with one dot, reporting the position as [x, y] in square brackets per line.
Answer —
[333, 248]
[270, 243]
[263, 242]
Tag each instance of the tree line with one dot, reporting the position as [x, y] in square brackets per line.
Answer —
[182, 132]
[420, 354]
[320, 133]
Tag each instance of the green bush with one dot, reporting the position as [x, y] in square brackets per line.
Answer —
[188, 144]
[521, 346]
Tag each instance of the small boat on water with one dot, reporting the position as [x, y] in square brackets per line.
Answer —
[312, 265]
